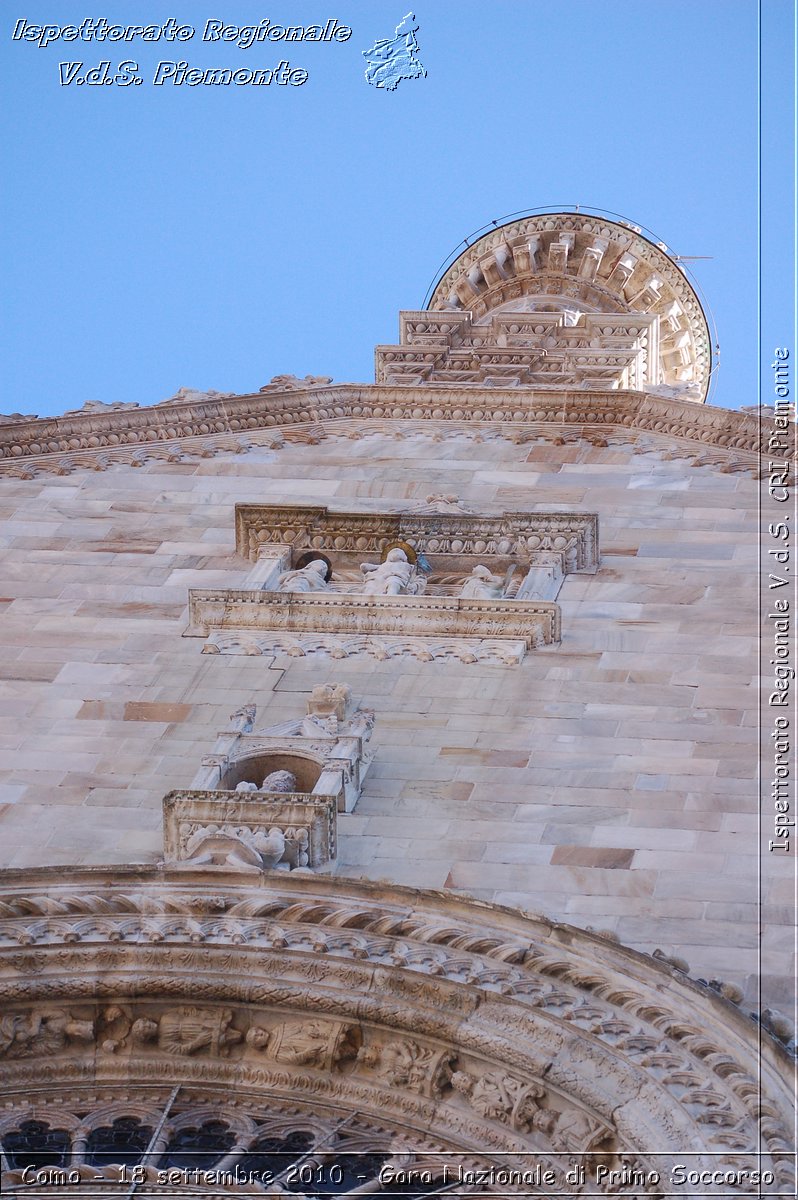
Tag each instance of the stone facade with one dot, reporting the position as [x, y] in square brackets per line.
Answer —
[600, 773]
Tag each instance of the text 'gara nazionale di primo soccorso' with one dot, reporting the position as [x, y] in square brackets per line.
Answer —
[178, 71]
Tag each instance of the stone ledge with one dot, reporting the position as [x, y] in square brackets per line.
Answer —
[531, 622]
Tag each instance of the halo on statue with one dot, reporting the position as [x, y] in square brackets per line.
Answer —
[314, 556]
[412, 556]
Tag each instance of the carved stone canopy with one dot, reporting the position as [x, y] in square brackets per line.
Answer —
[326, 750]
[424, 1025]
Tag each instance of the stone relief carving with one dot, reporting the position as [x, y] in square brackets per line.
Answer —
[320, 1044]
[191, 1030]
[504, 992]
[405, 1063]
[238, 847]
[503, 1098]
[504, 652]
[249, 832]
[45, 1032]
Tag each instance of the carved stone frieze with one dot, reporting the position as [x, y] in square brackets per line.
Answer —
[464, 650]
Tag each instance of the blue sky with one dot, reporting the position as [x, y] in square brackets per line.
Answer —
[211, 237]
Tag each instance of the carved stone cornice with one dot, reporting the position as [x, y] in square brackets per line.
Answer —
[461, 540]
[94, 440]
[533, 622]
[372, 998]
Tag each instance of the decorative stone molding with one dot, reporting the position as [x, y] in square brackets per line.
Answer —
[504, 652]
[595, 351]
[448, 1023]
[389, 620]
[97, 440]
[457, 541]
[577, 269]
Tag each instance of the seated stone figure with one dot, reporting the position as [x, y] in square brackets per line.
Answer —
[279, 781]
[482, 585]
[276, 781]
[312, 578]
[394, 577]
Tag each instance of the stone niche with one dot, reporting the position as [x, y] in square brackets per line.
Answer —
[268, 798]
[475, 587]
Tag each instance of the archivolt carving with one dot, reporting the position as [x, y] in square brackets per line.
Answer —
[476, 1027]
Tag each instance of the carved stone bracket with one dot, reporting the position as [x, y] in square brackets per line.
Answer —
[251, 831]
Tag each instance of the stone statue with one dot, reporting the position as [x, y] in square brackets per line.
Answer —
[279, 781]
[482, 584]
[394, 577]
[312, 578]
[276, 781]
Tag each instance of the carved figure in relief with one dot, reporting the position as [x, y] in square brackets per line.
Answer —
[502, 1098]
[312, 578]
[319, 1044]
[578, 1132]
[482, 584]
[238, 848]
[394, 577]
[188, 1030]
[406, 1064]
[41, 1033]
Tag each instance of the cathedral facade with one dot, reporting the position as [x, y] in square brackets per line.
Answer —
[378, 802]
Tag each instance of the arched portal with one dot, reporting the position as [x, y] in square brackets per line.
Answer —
[308, 1022]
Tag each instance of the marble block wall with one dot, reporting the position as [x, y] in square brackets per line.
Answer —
[607, 781]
